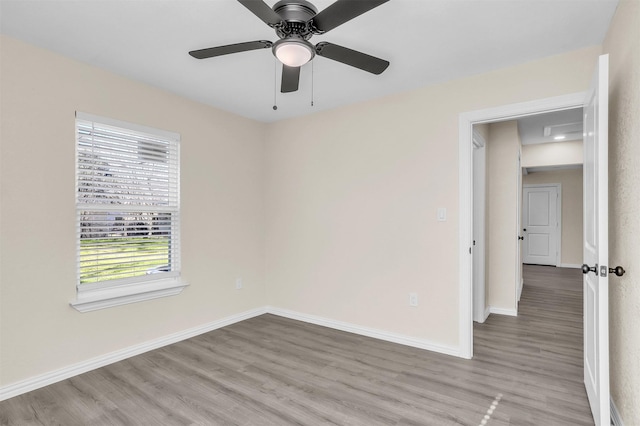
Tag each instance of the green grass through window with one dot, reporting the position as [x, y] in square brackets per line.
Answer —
[108, 259]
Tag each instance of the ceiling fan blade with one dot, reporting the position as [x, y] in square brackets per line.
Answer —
[290, 79]
[352, 57]
[230, 48]
[262, 11]
[342, 11]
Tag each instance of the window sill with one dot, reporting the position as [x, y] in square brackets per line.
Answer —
[101, 298]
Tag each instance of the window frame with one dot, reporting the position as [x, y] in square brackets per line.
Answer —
[115, 292]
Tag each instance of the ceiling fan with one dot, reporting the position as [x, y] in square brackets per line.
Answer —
[295, 22]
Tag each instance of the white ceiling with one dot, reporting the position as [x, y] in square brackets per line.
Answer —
[426, 41]
[567, 123]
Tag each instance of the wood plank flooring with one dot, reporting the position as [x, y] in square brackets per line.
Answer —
[274, 371]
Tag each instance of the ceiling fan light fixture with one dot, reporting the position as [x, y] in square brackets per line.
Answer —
[293, 52]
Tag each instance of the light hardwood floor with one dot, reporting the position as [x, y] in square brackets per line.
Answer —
[274, 371]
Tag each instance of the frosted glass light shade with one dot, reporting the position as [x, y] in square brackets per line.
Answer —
[293, 52]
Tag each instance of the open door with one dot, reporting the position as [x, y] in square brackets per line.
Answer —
[479, 205]
[596, 245]
[519, 276]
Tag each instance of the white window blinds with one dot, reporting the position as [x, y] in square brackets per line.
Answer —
[127, 202]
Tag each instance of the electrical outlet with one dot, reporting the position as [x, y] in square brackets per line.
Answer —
[238, 283]
[413, 299]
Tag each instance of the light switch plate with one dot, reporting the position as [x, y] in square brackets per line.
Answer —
[442, 214]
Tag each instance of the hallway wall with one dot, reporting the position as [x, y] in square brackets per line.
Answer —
[502, 200]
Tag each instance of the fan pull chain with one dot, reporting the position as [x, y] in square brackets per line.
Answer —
[312, 83]
[275, 82]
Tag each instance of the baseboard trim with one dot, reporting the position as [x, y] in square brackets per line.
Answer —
[501, 311]
[487, 311]
[37, 382]
[365, 331]
[570, 265]
[484, 317]
[616, 419]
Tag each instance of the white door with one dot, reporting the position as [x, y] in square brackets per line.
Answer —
[479, 292]
[596, 245]
[519, 280]
[540, 225]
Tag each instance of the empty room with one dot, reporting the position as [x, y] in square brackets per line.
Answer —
[247, 212]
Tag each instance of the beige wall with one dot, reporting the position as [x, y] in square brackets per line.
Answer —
[222, 212]
[623, 45]
[552, 154]
[352, 200]
[502, 201]
[571, 207]
[338, 220]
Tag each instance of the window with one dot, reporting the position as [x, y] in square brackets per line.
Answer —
[128, 213]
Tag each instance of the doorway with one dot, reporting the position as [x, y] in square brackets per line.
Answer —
[542, 147]
[466, 181]
[595, 239]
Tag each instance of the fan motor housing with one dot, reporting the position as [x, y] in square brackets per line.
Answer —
[295, 11]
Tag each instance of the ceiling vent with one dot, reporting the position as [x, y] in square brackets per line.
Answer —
[566, 131]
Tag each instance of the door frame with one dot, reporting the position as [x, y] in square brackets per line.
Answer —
[558, 187]
[480, 308]
[465, 174]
